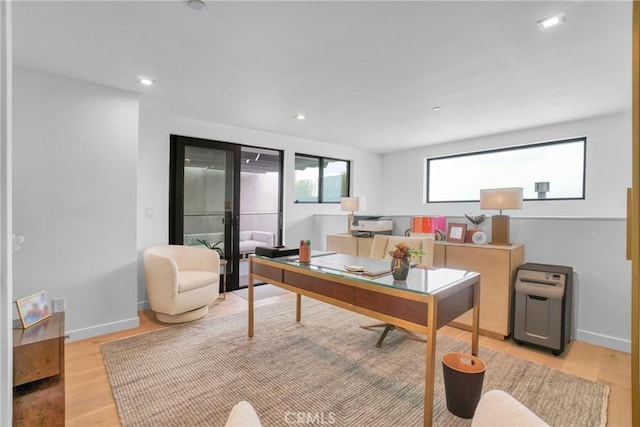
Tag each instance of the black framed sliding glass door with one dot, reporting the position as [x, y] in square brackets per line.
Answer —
[204, 199]
[227, 197]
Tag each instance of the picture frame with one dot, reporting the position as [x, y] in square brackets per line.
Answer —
[33, 309]
[456, 232]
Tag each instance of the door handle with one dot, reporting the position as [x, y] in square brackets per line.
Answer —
[236, 222]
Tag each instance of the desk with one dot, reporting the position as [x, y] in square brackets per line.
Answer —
[427, 300]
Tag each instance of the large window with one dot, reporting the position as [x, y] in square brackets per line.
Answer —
[320, 179]
[548, 171]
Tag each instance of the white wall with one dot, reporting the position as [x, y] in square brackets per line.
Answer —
[588, 235]
[79, 221]
[6, 229]
[153, 175]
[74, 187]
[608, 170]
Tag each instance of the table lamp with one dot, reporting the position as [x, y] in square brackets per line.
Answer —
[350, 204]
[500, 198]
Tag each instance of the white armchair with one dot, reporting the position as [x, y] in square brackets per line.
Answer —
[499, 409]
[243, 414]
[181, 281]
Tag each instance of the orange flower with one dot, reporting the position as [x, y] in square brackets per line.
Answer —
[404, 251]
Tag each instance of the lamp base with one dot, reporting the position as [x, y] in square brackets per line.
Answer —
[350, 221]
[500, 230]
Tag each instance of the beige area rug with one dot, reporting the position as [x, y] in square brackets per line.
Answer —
[325, 369]
[261, 292]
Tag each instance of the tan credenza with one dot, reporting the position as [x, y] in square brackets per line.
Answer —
[349, 245]
[497, 266]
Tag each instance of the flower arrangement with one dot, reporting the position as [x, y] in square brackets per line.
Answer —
[403, 251]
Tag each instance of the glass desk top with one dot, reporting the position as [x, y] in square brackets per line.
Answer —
[420, 280]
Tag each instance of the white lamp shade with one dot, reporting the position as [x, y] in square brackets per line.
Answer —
[351, 204]
[501, 198]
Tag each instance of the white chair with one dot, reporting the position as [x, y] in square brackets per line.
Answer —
[243, 414]
[181, 281]
[499, 409]
[380, 248]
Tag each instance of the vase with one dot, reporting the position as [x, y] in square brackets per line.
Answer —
[400, 268]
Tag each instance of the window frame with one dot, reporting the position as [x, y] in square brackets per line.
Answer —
[321, 162]
[511, 148]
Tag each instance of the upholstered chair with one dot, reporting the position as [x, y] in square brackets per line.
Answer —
[181, 281]
[383, 244]
[499, 409]
[380, 248]
[243, 414]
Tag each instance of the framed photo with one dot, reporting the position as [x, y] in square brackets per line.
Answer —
[33, 309]
[456, 232]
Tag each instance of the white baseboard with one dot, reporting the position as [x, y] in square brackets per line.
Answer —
[103, 329]
[604, 341]
[144, 305]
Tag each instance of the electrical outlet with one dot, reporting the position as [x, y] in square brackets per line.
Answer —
[58, 305]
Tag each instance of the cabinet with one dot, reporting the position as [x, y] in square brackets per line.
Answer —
[497, 266]
[38, 373]
[349, 245]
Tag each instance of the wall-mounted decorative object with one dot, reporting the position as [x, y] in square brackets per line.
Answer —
[33, 309]
[456, 232]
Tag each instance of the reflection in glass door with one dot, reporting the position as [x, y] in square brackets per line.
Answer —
[260, 203]
[204, 199]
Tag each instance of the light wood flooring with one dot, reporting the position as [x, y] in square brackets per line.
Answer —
[89, 401]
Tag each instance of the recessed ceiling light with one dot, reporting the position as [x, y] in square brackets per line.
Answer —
[436, 108]
[300, 116]
[198, 5]
[552, 21]
[145, 81]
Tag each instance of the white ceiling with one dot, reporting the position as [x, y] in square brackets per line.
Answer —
[366, 74]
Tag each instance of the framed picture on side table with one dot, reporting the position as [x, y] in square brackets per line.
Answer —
[456, 232]
[33, 309]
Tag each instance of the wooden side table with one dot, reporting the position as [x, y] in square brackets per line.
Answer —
[38, 373]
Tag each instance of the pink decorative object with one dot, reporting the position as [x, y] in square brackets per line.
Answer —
[428, 224]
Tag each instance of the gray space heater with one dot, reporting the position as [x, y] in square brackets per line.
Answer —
[543, 306]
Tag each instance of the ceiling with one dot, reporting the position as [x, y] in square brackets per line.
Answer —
[366, 74]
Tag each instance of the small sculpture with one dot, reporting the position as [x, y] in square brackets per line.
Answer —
[475, 219]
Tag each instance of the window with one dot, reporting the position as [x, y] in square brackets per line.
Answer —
[320, 179]
[547, 171]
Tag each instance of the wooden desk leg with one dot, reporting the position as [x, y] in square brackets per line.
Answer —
[429, 375]
[475, 324]
[250, 298]
[298, 307]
